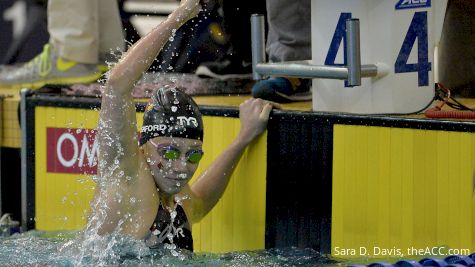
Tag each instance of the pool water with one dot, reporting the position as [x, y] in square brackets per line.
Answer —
[36, 248]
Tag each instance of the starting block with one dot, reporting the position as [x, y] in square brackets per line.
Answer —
[401, 35]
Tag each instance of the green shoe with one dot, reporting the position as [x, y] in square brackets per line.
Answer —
[48, 68]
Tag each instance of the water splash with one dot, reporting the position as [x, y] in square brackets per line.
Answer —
[36, 248]
[163, 238]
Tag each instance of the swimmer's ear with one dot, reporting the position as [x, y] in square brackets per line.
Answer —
[141, 149]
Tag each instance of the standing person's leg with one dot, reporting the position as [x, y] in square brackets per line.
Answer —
[111, 34]
[289, 39]
[289, 30]
[85, 30]
[74, 29]
[72, 54]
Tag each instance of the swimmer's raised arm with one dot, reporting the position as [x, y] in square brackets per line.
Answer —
[117, 129]
[122, 169]
[141, 55]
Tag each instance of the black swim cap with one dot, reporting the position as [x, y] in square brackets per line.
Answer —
[172, 113]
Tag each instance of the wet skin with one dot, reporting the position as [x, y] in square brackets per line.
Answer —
[171, 175]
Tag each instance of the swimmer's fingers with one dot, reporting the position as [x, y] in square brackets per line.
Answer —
[266, 111]
[254, 115]
[274, 104]
[261, 101]
[260, 107]
[191, 4]
[192, 8]
[267, 107]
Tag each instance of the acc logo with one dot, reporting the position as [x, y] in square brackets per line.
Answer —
[406, 4]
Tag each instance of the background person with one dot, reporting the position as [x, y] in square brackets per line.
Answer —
[289, 39]
[82, 36]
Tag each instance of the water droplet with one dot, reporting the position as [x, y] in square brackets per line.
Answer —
[174, 108]
[170, 237]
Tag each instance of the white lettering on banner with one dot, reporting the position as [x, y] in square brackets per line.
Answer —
[62, 138]
[404, 4]
[91, 154]
[408, 2]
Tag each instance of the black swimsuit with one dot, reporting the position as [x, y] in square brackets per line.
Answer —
[180, 229]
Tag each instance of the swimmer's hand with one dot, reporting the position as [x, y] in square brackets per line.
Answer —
[254, 114]
[188, 9]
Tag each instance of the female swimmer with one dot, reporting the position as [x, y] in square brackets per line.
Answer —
[144, 183]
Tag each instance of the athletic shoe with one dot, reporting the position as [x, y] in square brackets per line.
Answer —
[283, 90]
[225, 70]
[48, 68]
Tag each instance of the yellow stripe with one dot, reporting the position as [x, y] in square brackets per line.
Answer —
[242, 207]
[64, 65]
[9, 125]
[398, 188]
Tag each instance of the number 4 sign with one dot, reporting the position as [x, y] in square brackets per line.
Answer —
[399, 36]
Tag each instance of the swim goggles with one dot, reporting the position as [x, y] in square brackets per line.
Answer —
[173, 153]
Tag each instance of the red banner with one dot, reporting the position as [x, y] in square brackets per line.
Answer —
[71, 150]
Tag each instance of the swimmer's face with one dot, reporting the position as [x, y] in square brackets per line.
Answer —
[173, 161]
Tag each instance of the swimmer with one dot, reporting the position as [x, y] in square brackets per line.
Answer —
[144, 182]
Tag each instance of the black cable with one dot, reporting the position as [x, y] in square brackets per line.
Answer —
[462, 106]
[407, 114]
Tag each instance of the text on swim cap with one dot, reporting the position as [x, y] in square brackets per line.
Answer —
[153, 128]
[181, 120]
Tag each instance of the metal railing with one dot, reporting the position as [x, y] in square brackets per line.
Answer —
[352, 72]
